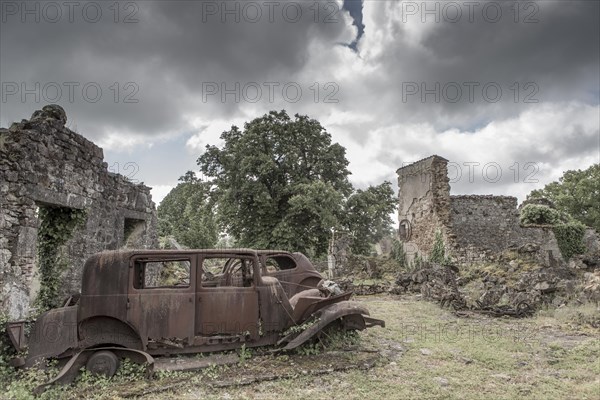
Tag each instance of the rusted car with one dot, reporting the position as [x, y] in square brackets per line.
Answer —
[144, 303]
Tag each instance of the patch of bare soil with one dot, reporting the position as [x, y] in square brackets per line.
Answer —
[265, 367]
[552, 335]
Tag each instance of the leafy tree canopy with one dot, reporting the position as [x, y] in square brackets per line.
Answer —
[186, 213]
[576, 193]
[367, 216]
[282, 183]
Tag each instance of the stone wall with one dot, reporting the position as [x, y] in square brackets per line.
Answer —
[43, 163]
[484, 221]
[483, 226]
[423, 203]
[475, 228]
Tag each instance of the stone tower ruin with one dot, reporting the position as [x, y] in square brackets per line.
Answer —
[423, 203]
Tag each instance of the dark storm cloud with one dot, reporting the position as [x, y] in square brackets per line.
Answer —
[557, 48]
[167, 51]
[165, 59]
[557, 57]
[550, 54]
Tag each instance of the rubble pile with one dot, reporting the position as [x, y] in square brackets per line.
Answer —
[516, 284]
[364, 289]
[435, 282]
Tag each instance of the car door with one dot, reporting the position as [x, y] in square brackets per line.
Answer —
[227, 309]
[160, 303]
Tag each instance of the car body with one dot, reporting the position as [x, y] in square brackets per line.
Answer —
[162, 302]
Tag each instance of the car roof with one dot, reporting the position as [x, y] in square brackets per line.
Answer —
[241, 251]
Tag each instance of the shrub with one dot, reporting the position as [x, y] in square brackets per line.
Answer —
[398, 254]
[568, 232]
[6, 352]
[438, 252]
[417, 262]
[537, 214]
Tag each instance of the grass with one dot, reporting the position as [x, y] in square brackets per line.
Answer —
[487, 358]
[583, 318]
[427, 353]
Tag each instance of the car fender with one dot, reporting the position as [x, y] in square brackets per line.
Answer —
[54, 332]
[69, 371]
[104, 330]
[352, 314]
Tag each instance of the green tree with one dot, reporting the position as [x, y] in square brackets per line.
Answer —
[279, 183]
[187, 214]
[576, 193]
[311, 215]
[367, 216]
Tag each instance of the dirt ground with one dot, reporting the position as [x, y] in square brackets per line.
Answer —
[424, 352]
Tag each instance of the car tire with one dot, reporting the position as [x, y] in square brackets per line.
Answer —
[103, 363]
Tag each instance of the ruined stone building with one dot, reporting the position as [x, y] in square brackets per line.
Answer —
[43, 164]
[475, 228]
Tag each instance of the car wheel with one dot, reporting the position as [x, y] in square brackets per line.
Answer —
[103, 363]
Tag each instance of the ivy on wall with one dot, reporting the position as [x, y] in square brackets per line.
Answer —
[436, 255]
[568, 232]
[56, 228]
[570, 238]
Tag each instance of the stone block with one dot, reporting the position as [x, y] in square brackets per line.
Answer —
[26, 242]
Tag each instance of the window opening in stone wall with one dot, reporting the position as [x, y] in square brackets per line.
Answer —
[133, 232]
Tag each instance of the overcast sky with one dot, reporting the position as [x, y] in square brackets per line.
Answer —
[507, 91]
